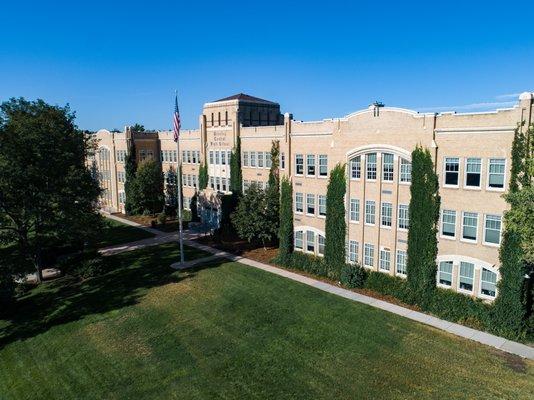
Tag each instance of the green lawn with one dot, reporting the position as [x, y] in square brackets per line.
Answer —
[230, 331]
[115, 232]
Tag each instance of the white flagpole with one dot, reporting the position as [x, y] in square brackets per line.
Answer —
[179, 196]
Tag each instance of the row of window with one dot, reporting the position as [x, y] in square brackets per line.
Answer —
[190, 180]
[469, 227]
[315, 165]
[220, 184]
[257, 159]
[219, 157]
[465, 278]
[170, 156]
[473, 173]
[388, 168]
[310, 242]
[190, 156]
[120, 155]
[311, 205]
[247, 183]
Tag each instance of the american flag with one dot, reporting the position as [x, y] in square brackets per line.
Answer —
[176, 119]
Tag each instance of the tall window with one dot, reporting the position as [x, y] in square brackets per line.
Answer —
[223, 157]
[387, 213]
[470, 223]
[448, 223]
[310, 241]
[245, 159]
[353, 251]
[283, 160]
[452, 168]
[492, 229]
[310, 204]
[298, 240]
[320, 245]
[405, 171]
[299, 200]
[445, 273]
[368, 255]
[323, 165]
[488, 283]
[122, 197]
[496, 173]
[322, 205]
[260, 159]
[404, 216]
[299, 164]
[385, 259]
[310, 164]
[217, 157]
[387, 167]
[473, 167]
[467, 275]
[268, 160]
[356, 167]
[354, 210]
[371, 166]
[401, 262]
[253, 159]
[211, 157]
[370, 212]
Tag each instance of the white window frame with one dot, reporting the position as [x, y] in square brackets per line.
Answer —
[296, 238]
[461, 290]
[443, 285]
[368, 253]
[463, 225]
[367, 170]
[356, 167]
[355, 211]
[261, 159]
[308, 197]
[405, 177]
[401, 254]
[487, 296]
[466, 162]
[370, 203]
[384, 260]
[353, 252]
[245, 159]
[385, 209]
[297, 195]
[503, 174]
[299, 157]
[313, 165]
[442, 223]
[319, 198]
[390, 167]
[485, 229]
[323, 164]
[445, 184]
[319, 245]
[312, 233]
[401, 217]
[253, 160]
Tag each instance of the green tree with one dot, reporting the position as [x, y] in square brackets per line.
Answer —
[236, 176]
[285, 233]
[137, 128]
[149, 181]
[249, 218]
[130, 187]
[48, 195]
[272, 193]
[422, 233]
[513, 305]
[203, 176]
[335, 224]
[171, 200]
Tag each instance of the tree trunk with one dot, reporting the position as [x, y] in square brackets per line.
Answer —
[38, 267]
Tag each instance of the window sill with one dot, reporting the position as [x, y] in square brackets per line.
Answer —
[469, 241]
[385, 227]
[451, 186]
[490, 189]
[354, 222]
[402, 229]
[310, 215]
[441, 285]
[447, 237]
[367, 224]
[475, 188]
[495, 245]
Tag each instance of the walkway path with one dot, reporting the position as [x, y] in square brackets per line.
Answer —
[450, 327]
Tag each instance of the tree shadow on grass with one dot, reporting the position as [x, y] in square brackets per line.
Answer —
[130, 275]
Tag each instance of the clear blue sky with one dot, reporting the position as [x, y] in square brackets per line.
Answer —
[118, 63]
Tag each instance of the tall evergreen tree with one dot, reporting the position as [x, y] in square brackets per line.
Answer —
[422, 233]
[203, 176]
[335, 224]
[514, 302]
[150, 183]
[272, 193]
[130, 188]
[285, 232]
[236, 175]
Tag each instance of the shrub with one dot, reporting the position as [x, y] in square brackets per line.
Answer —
[162, 218]
[388, 285]
[84, 265]
[353, 276]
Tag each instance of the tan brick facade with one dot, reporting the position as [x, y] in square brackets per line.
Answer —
[471, 153]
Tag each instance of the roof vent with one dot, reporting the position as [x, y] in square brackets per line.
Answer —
[376, 108]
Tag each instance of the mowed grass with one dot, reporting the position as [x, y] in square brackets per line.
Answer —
[230, 331]
[115, 232]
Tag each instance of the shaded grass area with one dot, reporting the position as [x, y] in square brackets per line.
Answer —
[115, 232]
[230, 331]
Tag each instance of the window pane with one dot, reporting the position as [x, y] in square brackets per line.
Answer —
[369, 212]
[470, 222]
[387, 167]
[310, 241]
[354, 210]
[445, 273]
[488, 283]
[401, 262]
[310, 163]
[467, 273]
[355, 168]
[386, 214]
[299, 164]
[323, 165]
[452, 166]
[496, 172]
[310, 204]
[448, 224]
[406, 171]
[492, 233]
[371, 165]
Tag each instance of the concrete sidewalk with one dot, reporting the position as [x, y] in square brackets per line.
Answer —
[450, 327]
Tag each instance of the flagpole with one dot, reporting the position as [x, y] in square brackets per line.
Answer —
[179, 195]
